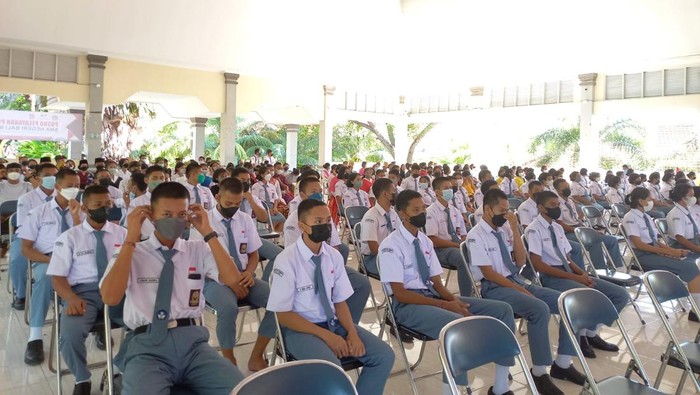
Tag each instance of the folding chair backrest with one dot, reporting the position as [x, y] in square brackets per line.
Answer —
[514, 203]
[472, 220]
[310, 376]
[356, 234]
[619, 209]
[591, 212]
[665, 286]
[464, 251]
[662, 227]
[354, 214]
[585, 308]
[588, 237]
[8, 207]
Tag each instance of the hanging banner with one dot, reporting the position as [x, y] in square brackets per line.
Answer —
[47, 126]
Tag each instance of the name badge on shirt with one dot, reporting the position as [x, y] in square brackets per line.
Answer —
[206, 205]
[305, 288]
[243, 248]
[194, 297]
[458, 231]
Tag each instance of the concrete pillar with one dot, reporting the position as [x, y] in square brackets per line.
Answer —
[93, 118]
[292, 138]
[401, 142]
[198, 126]
[589, 138]
[228, 136]
[325, 130]
[75, 148]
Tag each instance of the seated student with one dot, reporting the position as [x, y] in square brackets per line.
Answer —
[310, 188]
[485, 186]
[425, 191]
[527, 211]
[695, 209]
[13, 187]
[491, 243]
[395, 177]
[691, 178]
[199, 194]
[654, 254]
[378, 222]
[580, 191]
[484, 175]
[354, 196]
[154, 176]
[103, 178]
[667, 184]
[39, 231]
[459, 197]
[525, 187]
[550, 255]
[509, 186]
[309, 292]
[596, 189]
[410, 269]
[660, 203]
[267, 192]
[446, 229]
[547, 180]
[411, 183]
[165, 305]
[79, 259]
[238, 233]
[294, 203]
[615, 193]
[682, 227]
[633, 181]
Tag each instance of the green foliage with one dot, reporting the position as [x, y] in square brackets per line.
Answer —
[10, 101]
[40, 149]
[457, 155]
[555, 143]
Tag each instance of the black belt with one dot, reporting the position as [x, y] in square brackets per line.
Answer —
[171, 324]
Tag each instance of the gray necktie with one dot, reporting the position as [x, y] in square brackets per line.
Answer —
[388, 222]
[197, 197]
[652, 235]
[161, 308]
[505, 254]
[64, 219]
[359, 198]
[267, 196]
[100, 253]
[695, 228]
[423, 269]
[320, 288]
[572, 213]
[232, 243]
[48, 198]
[464, 196]
[415, 184]
[245, 207]
[563, 260]
[451, 227]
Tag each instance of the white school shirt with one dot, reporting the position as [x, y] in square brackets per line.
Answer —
[292, 282]
[43, 226]
[525, 188]
[615, 196]
[340, 188]
[509, 187]
[478, 214]
[294, 203]
[527, 211]
[569, 215]
[428, 196]
[634, 225]
[679, 223]
[74, 253]
[207, 198]
[666, 189]
[292, 233]
[484, 249]
[539, 241]
[193, 258]
[695, 212]
[458, 201]
[579, 189]
[10, 192]
[350, 198]
[247, 208]
[147, 227]
[656, 192]
[374, 226]
[258, 189]
[29, 201]
[245, 232]
[436, 221]
[410, 183]
[478, 198]
[595, 188]
[398, 262]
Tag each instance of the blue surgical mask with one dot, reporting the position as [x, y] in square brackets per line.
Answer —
[447, 194]
[48, 182]
[132, 195]
[316, 196]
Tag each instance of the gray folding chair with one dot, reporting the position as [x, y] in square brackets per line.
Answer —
[470, 342]
[355, 238]
[311, 376]
[243, 308]
[596, 220]
[585, 308]
[267, 231]
[589, 238]
[353, 215]
[662, 227]
[13, 226]
[514, 203]
[664, 287]
[472, 220]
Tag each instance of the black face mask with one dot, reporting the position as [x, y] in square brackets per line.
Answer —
[566, 192]
[246, 187]
[100, 215]
[553, 213]
[105, 182]
[319, 233]
[418, 220]
[392, 201]
[228, 212]
[499, 220]
[83, 168]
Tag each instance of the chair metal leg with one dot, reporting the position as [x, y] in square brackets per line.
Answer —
[28, 296]
[681, 383]
[108, 345]
[447, 279]
[54, 344]
[520, 327]
[639, 313]
[664, 362]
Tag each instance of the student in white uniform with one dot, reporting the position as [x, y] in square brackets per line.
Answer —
[615, 194]
[378, 222]
[459, 196]
[485, 186]
[162, 278]
[596, 189]
[667, 184]
[311, 188]
[354, 196]
[550, 254]
[509, 186]
[527, 211]
[199, 194]
[395, 177]
[256, 159]
[43, 225]
[79, 259]
[46, 174]
[496, 248]
[154, 176]
[580, 192]
[695, 209]
[547, 180]
[682, 227]
[103, 178]
[309, 292]
[524, 188]
[412, 183]
[267, 192]
[654, 254]
[462, 192]
[660, 203]
[447, 230]
[239, 235]
[13, 187]
[429, 196]
[484, 175]
[411, 272]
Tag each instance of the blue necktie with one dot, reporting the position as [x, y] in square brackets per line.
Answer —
[652, 235]
[423, 269]
[64, 219]
[695, 228]
[388, 222]
[415, 183]
[320, 289]
[563, 260]
[505, 254]
[572, 213]
[161, 308]
[197, 198]
[100, 253]
[232, 243]
[48, 198]
[267, 196]
[451, 227]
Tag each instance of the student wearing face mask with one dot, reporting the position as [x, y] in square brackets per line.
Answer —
[615, 194]
[551, 255]
[446, 229]
[529, 177]
[496, 249]
[547, 181]
[103, 178]
[199, 194]
[43, 225]
[86, 177]
[654, 187]
[163, 312]
[682, 228]
[411, 183]
[484, 175]
[485, 186]
[310, 188]
[460, 201]
[667, 184]
[318, 322]
[154, 176]
[426, 191]
[527, 211]
[652, 252]
[266, 192]
[580, 192]
[378, 222]
[596, 190]
[355, 196]
[78, 262]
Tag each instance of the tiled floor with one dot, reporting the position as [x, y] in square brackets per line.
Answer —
[650, 341]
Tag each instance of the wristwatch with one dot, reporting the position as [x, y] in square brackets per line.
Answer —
[210, 236]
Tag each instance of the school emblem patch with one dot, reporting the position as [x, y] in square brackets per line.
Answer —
[194, 297]
[162, 314]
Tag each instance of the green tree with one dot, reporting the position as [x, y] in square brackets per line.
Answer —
[40, 149]
[384, 134]
[119, 123]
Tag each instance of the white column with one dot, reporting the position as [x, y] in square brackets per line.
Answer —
[589, 138]
[228, 136]
[325, 130]
[75, 148]
[292, 138]
[401, 131]
[93, 113]
[198, 126]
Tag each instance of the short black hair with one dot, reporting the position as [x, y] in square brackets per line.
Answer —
[307, 205]
[534, 183]
[614, 181]
[45, 166]
[635, 196]
[192, 167]
[381, 185]
[239, 170]
[169, 190]
[218, 172]
[542, 197]
[63, 173]
[352, 176]
[139, 180]
[558, 182]
[415, 166]
[679, 191]
[309, 173]
[304, 183]
[103, 170]
[483, 173]
[439, 181]
[486, 185]
[94, 190]
[404, 197]
[493, 196]
[153, 169]
[232, 185]
[14, 165]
